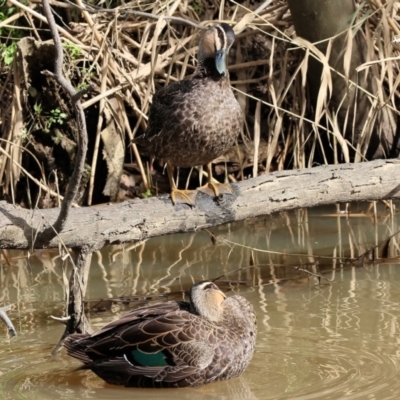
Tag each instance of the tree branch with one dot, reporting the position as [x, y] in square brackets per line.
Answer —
[76, 320]
[82, 139]
[7, 321]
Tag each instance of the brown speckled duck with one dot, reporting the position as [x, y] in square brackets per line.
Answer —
[173, 344]
[193, 121]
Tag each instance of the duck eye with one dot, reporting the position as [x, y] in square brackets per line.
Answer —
[209, 286]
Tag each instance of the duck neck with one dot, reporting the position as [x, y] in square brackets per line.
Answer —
[206, 69]
[208, 311]
[207, 306]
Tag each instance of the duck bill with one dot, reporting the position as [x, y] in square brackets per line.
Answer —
[220, 61]
[222, 294]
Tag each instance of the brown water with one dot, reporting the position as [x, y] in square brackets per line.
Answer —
[333, 340]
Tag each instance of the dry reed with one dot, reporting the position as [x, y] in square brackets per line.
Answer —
[127, 56]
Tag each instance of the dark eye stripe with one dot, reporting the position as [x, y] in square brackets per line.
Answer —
[211, 286]
[221, 36]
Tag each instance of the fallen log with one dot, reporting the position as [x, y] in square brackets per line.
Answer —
[141, 219]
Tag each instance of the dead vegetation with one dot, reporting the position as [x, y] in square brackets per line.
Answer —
[123, 55]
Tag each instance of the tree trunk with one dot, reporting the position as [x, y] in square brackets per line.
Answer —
[141, 219]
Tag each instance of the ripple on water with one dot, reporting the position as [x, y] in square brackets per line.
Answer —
[338, 341]
[308, 369]
[330, 343]
[34, 376]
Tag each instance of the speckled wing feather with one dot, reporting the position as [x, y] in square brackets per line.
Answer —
[163, 115]
[166, 345]
[191, 122]
[165, 333]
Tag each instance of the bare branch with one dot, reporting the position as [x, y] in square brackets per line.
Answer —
[76, 320]
[7, 320]
[79, 166]
[122, 12]
[55, 3]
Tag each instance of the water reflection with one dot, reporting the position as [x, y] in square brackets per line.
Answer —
[328, 340]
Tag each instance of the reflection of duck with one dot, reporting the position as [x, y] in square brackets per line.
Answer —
[173, 344]
[194, 121]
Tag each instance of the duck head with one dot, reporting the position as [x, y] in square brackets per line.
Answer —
[214, 46]
[206, 300]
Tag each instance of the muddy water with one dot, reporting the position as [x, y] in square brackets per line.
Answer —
[329, 333]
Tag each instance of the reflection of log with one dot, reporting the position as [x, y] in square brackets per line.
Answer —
[141, 219]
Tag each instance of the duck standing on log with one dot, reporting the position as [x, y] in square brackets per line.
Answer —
[173, 344]
[193, 121]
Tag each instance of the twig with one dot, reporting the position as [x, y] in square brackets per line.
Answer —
[40, 184]
[81, 123]
[76, 320]
[7, 321]
[229, 242]
[41, 18]
[92, 9]
[383, 244]
[103, 87]
[63, 320]
[56, 3]
[318, 276]
[7, 258]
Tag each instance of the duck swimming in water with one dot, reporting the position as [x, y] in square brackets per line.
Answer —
[173, 344]
[193, 121]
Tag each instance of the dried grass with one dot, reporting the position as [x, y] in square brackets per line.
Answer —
[128, 57]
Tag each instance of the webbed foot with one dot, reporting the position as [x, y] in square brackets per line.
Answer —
[183, 196]
[215, 189]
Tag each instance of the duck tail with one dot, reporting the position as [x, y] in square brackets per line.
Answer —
[76, 346]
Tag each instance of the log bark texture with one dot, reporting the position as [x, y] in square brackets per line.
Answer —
[141, 219]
